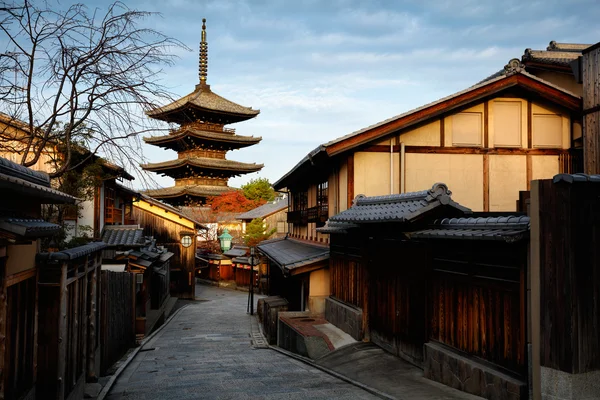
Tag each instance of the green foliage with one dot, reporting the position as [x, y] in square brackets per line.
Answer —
[255, 232]
[259, 189]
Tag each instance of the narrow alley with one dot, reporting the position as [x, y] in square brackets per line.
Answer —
[205, 352]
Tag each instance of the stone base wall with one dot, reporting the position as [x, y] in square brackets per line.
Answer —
[559, 385]
[345, 317]
[411, 352]
[450, 368]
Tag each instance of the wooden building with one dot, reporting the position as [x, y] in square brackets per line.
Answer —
[438, 285]
[178, 234]
[486, 142]
[21, 227]
[201, 169]
[273, 214]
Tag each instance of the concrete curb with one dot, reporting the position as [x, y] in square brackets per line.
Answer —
[331, 372]
[132, 355]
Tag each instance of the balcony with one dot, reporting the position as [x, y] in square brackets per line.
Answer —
[299, 217]
[113, 216]
[318, 214]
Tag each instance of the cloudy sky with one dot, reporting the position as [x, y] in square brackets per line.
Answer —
[318, 70]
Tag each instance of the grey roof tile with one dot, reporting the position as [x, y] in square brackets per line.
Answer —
[508, 229]
[572, 178]
[29, 228]
[280, 203]
[397, 207]
[71, 254]
[237, 251]
[125, 235]
[17, 178]
[290, 254]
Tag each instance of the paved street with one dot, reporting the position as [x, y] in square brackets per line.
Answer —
[206, 353]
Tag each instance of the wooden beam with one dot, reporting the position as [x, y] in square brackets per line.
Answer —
[529, 171]
[380, 148]
[3, 336]
[435, 110]
[529, 125]
[478, 150]
[350, 174]
[486, 183]
[442, 132]
[486, 125]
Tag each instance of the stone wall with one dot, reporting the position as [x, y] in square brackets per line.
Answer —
[559, 385]
[448, 367]
[345, 317]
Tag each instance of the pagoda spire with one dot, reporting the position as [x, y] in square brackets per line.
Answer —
[203, 68]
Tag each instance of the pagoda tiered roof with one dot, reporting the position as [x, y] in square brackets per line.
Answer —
[191, 137]
[202, 167]
[179, 195]
[203, 105]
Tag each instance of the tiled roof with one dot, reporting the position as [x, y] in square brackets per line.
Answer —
[201, 134]
[509, 229]
[571, 178]
[397, 207]
[29, 228]
[11, 168]
[236, 251]
[123, 235]
[577, 47]
[71, 254]
[246, 260]
[290, 254]
[280, 203]
[208, 163]
[15, 178]
[203, 98]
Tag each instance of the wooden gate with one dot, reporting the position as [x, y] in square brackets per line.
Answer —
[117, 327]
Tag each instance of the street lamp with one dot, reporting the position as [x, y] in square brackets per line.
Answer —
[251, 291]
[225, 240]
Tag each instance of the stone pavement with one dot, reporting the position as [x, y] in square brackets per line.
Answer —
[206, 352]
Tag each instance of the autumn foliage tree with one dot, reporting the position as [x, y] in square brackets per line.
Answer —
[233, 201]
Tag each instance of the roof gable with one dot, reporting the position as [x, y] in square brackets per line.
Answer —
[406, 207]
[515, 78]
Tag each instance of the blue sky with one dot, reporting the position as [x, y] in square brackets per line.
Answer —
[318, 70]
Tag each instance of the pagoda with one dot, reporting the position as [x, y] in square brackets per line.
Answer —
[201, 169]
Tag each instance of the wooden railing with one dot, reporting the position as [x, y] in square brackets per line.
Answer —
[203, 127]
[318, 214]
[299, 217]
[113, 215]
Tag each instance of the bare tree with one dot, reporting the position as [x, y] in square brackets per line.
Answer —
[77, 78]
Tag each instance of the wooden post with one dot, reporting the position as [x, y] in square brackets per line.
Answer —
[62, 333]
[91, 339]
[591, 109]
[3, 328]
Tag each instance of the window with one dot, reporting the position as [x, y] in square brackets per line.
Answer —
[546, 130]
[186, 241]
[466, 129]
[507, 124]
[322, 191]
[300, 201]
[280, 226]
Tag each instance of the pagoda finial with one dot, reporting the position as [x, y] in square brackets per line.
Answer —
[203, 54]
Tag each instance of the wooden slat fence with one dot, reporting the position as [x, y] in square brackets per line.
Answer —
[477, 302]
[117, 326]
[347, 279]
